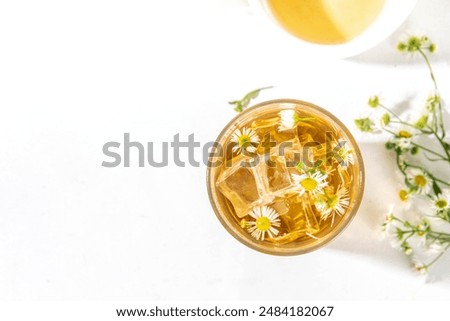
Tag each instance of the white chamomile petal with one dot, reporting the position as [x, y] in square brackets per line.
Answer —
[311, 182]
[419, 266]
[403, 143]
[266, 221]
[420, 180]
[244, 139]
[332, 204]
[345, 154]
[288, 119]
[435, 248]
[441, 202]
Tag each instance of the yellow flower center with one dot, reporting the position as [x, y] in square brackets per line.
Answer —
[244, 141]
[333, 201]
[262, 223]
[343, 153]
[420, 180]
[403, 195]
[309, 184]
[441, 203]
[404, 134]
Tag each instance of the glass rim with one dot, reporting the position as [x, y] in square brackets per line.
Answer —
[301, 249]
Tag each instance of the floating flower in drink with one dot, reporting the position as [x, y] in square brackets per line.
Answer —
[245, 139]
[266, 221]
[288, 119]
[266, 197]
[330, 204]
[313, 182]
[345, 154]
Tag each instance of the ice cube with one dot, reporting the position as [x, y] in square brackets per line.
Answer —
[280, 205]
[265, 124]
[238, 185]
[277, 174]
[265, 128]
[303, 215]
[273, 178]
[290, 153]
[244, 184]
[285, 238]
[298, 221]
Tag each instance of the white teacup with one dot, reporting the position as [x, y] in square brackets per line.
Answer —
[390, 18]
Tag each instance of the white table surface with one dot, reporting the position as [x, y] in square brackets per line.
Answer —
[77, 74]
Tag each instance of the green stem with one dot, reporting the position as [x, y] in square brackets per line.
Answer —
[402, 170]
[441, 118]
[390, 111]
[411, 125]
[445, 148]
[440, 181]
[441, 141]
[443, 237]
[429, 68]
[437, 257]
[431, 151]
[425, 171]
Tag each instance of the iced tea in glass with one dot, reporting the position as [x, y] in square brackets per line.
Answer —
[285, 177]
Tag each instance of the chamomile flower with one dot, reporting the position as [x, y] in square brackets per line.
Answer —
[419, 266]
[395, 235]
[435, 247]
[420, 180]
[244, 139]
[432, 102]
[266, 222]
[403, 139]
[288, 119]
[345, 154]
[389, 219]
[406, 248]
[441, 202]
[330, 204]
[414, 44]
[422, 121]
[403, 195]
[440, 205]
[385, 120]
[365, 125]
[374, 101]
[391, 230]
[313, 182]
[403, 143]
[422, 230]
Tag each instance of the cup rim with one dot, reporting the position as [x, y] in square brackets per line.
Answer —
[284, 251]
[391, 17]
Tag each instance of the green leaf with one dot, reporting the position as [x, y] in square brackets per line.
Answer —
[299, 119]
[300, 166]
[436, 188]
[240, 105]
[447, 145]
[318, 163]
[364, 124]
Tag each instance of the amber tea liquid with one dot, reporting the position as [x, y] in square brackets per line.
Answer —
[290, 176]
[326, 21]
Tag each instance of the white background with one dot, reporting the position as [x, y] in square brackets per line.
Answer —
[77, 74]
